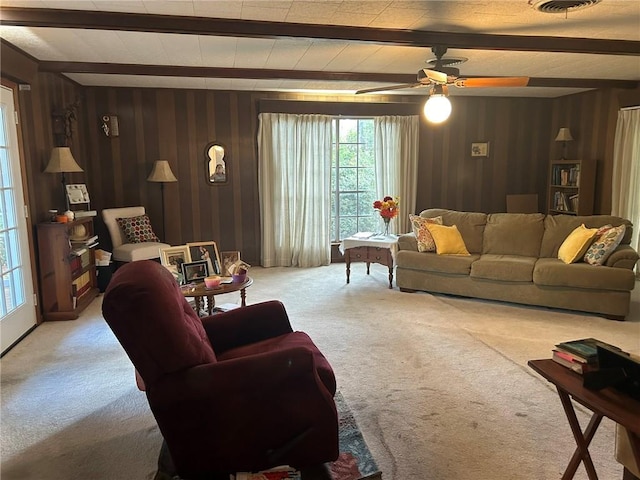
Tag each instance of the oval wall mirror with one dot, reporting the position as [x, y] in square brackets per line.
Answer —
[216, 163]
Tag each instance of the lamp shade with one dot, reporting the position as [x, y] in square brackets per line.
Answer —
[161, 172]
[564, 135]
[62, 161]
[437, 109]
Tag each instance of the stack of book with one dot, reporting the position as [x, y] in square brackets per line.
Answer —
[579, 355]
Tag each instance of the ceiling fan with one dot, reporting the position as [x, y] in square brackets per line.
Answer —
[441, 77]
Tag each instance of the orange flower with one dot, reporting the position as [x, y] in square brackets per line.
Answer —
[388, 207]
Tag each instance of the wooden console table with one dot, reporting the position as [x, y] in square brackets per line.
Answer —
[375, 249]
[607, 402]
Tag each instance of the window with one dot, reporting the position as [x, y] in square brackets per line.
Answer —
[353, 178]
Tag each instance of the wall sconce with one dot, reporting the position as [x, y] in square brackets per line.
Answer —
[61, 161]
[564, 136]
[110, 125]
[438, 107]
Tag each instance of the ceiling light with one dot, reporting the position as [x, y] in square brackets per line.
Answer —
[438, 107]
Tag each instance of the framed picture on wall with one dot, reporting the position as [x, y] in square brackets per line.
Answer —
[480, 149]
[207, 251]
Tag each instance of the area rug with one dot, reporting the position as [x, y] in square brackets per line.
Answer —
[354, 462]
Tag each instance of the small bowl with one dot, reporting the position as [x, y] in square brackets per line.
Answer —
[239, 277]
[212, 281]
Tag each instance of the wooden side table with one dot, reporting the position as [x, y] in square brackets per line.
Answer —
[200, 291]
[375, 249]
[607, 402]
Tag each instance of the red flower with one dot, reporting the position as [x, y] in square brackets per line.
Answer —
[388, 207]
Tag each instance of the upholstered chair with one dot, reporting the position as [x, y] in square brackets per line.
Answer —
[131, 244]
[236, 391]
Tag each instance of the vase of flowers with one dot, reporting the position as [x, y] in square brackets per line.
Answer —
[388, 208]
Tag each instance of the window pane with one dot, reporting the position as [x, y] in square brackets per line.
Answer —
[367, 179]
[368, 224]
[348, 179]
[365, 204]
[348, 204]
[348, 226]
[365, 129]
[348, 155]
[365, 153]
[348, 130]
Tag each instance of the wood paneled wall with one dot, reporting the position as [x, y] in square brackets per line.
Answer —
[176, 125]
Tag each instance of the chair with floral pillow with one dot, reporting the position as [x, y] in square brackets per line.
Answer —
[132, 236]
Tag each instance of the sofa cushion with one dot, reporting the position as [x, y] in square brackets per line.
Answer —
[513, 234]
[470, 225]
[558, 227]
[510, 268]
[448, 240]
[576, 244]
[432, 262]
[553, 272]
[606, 241]
[423, 235]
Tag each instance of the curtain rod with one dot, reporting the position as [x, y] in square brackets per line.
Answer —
[630, 108]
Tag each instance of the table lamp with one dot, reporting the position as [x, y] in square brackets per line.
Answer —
[564, 136]
[62, 161]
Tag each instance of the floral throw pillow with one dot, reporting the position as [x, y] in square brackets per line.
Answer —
[137, 229]
[607, 240]
[423, 235]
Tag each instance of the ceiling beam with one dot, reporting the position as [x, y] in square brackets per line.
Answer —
[41, 17]
[262, 73]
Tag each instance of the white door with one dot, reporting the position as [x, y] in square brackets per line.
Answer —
[17, 303]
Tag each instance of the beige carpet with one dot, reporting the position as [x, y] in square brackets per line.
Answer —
[438, 385]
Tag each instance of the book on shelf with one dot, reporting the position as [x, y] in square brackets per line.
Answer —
[278, 473]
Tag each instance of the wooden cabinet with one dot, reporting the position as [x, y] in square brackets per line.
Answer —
[67, 268]
[571, 187]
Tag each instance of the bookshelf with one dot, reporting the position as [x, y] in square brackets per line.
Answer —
[571, 187]
[67, 267]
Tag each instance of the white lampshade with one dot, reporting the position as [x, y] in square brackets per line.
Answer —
[438, 108]
[564, 135]
[62, 161]
[161, 172]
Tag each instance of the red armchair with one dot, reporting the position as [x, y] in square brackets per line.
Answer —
[236, 391]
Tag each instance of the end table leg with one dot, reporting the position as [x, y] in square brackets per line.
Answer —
[390, 277]
[347, 261]
[243, 297]
[211, 302]
[368, 265]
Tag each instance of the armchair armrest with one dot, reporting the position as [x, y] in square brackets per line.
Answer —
[408, 241]
[246, 325]
[623, 257]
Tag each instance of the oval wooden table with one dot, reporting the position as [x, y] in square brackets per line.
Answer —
[199, 292]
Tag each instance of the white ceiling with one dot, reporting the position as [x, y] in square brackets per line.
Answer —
[609, 19]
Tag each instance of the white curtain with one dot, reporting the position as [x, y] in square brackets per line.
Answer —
[396, 157]
[294, 165]
[625, 200]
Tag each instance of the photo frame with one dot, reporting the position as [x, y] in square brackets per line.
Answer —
[173, 258]
[228, 259]
[77, 193]
[195, 271]
[207, 251]
[480, 149]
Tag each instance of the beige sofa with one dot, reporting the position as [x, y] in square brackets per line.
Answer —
[514, 258]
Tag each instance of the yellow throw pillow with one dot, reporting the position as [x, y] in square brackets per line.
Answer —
[448, 240]
[576, 244]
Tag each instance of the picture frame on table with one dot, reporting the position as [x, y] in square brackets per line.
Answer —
[173, 258]
[207, 251]
[195, 271]
[228, 259]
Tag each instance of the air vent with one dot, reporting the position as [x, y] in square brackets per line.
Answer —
[561, 6]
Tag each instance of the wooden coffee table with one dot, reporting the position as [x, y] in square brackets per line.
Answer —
[199, 292]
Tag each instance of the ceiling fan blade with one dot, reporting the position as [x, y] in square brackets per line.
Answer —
[491, 82]
[390, 87]
[432, 75]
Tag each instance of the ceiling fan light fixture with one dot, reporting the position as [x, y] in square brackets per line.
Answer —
[438, 107]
